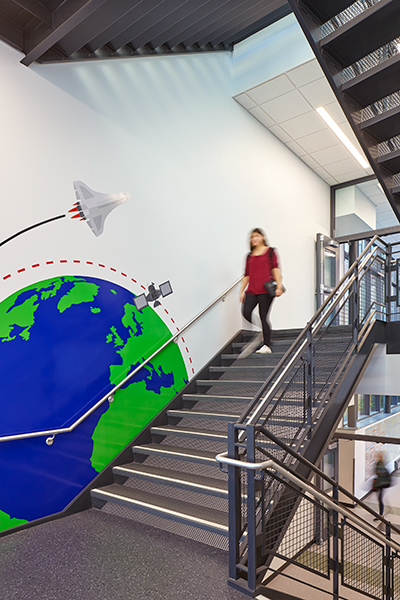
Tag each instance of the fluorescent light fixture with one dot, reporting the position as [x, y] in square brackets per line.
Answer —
[342, 137]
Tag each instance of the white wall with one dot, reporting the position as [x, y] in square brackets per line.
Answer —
[382, 375]
[201, 172]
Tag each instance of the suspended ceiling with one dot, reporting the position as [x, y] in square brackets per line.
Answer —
[58, 30]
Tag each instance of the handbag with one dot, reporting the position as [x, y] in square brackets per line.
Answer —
[270, 285]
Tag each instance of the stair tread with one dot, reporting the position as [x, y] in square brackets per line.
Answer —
[167, 474]
[200, 414]
[216, 398]
[173, 429]
[363, 28]
[171, 506]
[174, 450]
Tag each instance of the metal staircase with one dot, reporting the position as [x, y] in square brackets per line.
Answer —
[358, 46]
[174, 481]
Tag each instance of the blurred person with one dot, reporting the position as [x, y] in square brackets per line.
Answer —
[262, 269]
[381, 481]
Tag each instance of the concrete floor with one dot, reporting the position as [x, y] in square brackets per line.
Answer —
[97, 556]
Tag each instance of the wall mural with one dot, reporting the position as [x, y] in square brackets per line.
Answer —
[65, 342]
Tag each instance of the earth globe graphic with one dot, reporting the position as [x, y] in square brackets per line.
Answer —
[65, 342]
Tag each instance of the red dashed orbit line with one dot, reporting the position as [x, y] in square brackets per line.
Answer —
[88, 262]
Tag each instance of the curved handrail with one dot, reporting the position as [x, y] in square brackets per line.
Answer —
[109, 396]
[321, 496]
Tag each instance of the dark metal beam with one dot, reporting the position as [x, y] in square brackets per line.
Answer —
[90, 29]
[178, 23]
[36, 8]
[360, 437]
[67, 17]
[368, 234]
[147, 20]
[11, 33]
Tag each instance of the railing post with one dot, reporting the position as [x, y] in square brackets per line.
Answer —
[388, 570]
[235, 499]
[309, 374]
[251, 511]
[388, 283]
[335, 546]
[355, 307]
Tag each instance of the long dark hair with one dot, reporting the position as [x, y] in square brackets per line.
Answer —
[261, 232]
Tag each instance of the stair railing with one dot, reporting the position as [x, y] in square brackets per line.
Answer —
[291, 405]
[109, 396]
[325, 538]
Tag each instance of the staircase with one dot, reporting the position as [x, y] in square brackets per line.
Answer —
[358, 46]
[174, 482]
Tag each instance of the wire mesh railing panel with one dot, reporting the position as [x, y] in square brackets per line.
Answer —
[379, 107]
[396, 577]
[363, 562]
[286, 414]
[305, 540]
[345, 16]
[371, 60]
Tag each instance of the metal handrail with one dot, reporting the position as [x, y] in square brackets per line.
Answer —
[322, 497]
[361, 262]
[110, 394]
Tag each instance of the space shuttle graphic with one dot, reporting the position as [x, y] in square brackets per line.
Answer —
[93, 207]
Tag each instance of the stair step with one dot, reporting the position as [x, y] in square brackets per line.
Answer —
[203, 434]
[199, 456]
[239, 367]
[373, 28]
[383, 126]
[187, 481]
[184, 512]
[192, 414]
[390, 161]
[326, 9]
[191, 398]
[374, 84]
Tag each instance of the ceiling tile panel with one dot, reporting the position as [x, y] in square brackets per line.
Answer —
[318, 141]
[301, 126]
[271, 89]
[318, 93]
[261, 116]
[294, 147]
[245, 101]
[286, 107]
[280, 133]
[306, 73]
[331, 155]
[347, 167]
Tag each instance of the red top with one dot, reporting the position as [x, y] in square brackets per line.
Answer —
[258, 269]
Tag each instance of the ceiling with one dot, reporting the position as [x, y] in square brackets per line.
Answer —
[286, 105]
[74, 30]
[60, 30]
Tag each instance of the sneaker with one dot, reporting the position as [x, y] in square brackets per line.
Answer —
[249, 349]
[264, 350]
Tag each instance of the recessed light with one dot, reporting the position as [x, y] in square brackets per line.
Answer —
[342, 137]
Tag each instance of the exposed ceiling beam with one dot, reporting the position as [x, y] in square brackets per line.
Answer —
[89, 29]
[148, 20]
[11, 33]
[68, 17]
[36, 8]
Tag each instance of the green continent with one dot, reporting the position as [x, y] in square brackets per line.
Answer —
[23, 315]
[81, 292]
[136, 405]
[6, 522]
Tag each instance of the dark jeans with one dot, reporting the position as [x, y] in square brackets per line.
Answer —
[264, 302]
[380, 499]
